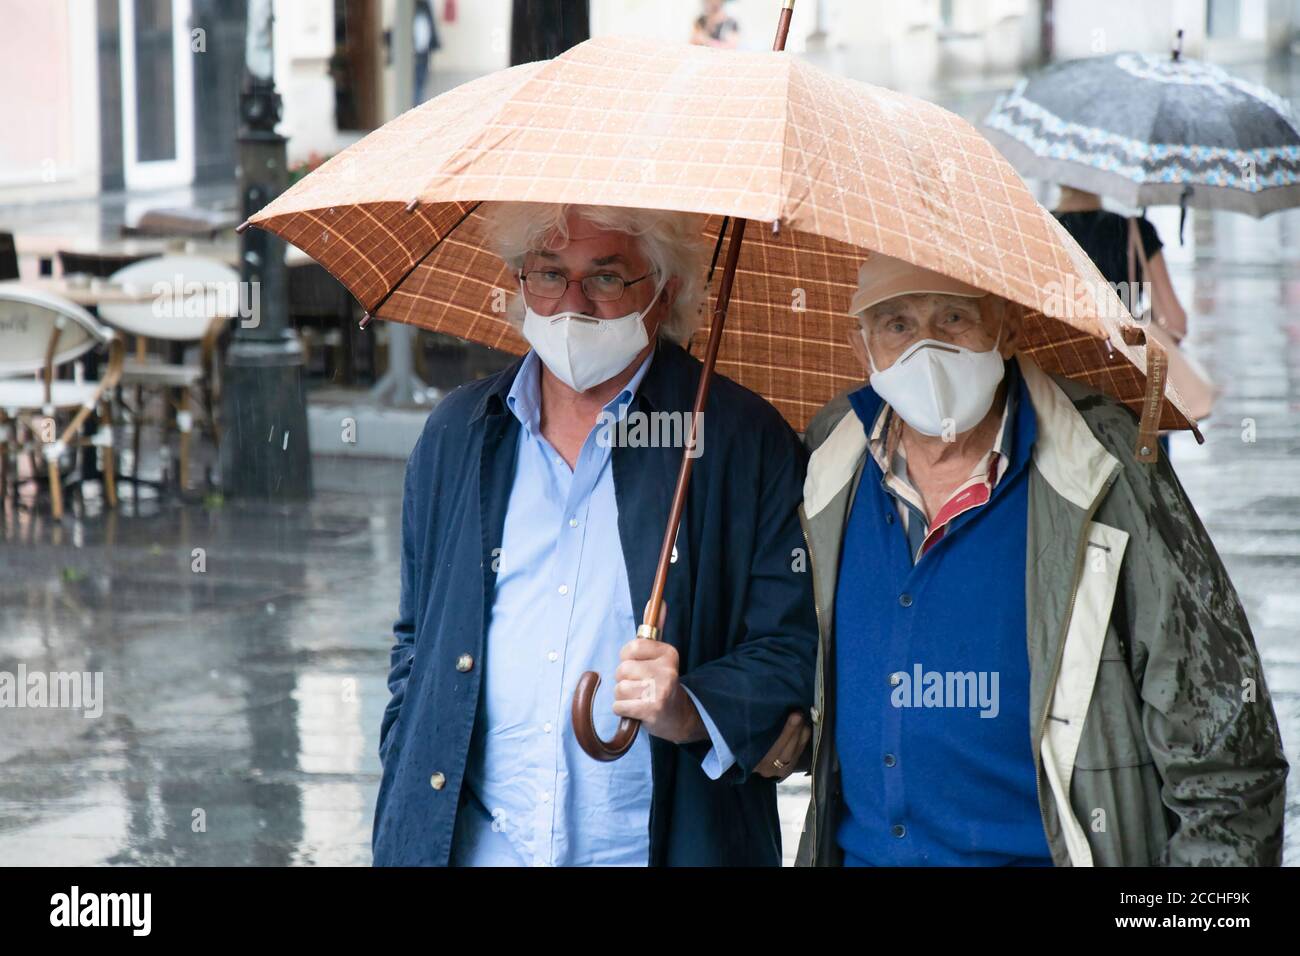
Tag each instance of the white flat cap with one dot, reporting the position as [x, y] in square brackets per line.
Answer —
[883, 277]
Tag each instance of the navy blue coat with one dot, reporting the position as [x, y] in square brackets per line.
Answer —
[740, 610]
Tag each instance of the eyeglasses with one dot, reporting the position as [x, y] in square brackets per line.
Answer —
[601, 287]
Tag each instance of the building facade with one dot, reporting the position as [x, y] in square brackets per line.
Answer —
[105, 95]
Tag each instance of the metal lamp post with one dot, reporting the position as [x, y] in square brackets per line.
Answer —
[264, 449]
[400, 385]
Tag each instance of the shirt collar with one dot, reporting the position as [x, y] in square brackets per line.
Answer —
[525, 397]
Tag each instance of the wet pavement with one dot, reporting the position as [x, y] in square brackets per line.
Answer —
[242, 701]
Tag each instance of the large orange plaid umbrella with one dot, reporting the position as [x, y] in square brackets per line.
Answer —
[842, 168]
[829, 170]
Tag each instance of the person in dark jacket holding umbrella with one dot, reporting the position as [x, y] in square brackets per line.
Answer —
[531, 519]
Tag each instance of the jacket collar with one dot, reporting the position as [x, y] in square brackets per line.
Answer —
[669, 384]
[493, 400]
[1067, 454]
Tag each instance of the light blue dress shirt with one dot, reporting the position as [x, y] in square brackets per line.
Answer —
[562, 606]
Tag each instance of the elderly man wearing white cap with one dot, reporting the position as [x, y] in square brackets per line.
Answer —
[1030, 652]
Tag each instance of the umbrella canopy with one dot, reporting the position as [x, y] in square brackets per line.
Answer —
[839, 169]
[1153, 130]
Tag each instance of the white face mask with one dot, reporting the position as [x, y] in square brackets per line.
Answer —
[582, 351]
[939, 388]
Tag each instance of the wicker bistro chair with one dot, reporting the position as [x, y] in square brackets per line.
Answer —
[195, 298]
[40, 335]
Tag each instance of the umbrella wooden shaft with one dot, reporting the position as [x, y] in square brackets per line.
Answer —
[584, 697]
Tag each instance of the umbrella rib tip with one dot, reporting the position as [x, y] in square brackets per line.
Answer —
[365, 320]
[243, 227]
[410, 206]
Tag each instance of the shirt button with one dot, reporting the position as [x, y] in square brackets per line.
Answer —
[564, 589]
[905, 600]
[464, 663]
[547, 726]
[898, 830]
[573, 522]
[895, 678]
[552, 657]
[890, 760]
[437, 781]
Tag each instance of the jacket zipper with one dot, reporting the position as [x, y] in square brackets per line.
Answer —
[1080, 551]
[817, 739]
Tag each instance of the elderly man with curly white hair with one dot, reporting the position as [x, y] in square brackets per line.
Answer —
[531, 522]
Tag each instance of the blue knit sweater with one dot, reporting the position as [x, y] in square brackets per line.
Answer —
[932, 678]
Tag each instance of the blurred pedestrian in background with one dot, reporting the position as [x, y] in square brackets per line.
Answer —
[1103, 235]
[424, 40]
[714, 27]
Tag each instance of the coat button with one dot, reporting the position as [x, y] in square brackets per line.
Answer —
[464, 663]
[898, 830]
[437, 781]
[895, 678]
[890, 760]
[905, 600]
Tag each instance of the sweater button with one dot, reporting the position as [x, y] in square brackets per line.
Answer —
[464, 663]
[890, 760]
[898, 830]
[437, 781]
[905, 600]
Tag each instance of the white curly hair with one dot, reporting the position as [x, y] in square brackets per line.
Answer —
[672, 242]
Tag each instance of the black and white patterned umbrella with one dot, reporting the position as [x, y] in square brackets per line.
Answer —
[1152, 130]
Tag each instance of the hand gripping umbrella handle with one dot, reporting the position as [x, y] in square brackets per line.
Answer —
[584, 696]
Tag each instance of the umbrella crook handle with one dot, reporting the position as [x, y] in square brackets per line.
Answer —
[584, 726]
[584, 720]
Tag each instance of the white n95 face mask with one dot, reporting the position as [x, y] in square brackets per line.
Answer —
[936, 384]
[582, 351]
